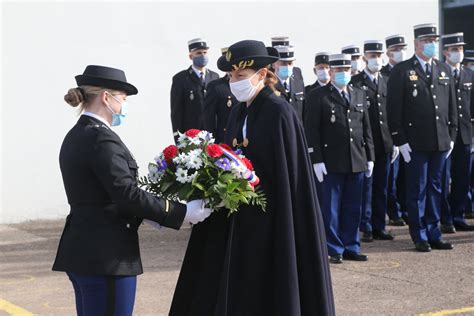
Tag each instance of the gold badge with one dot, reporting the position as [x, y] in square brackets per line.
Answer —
[243, 64]
[413, 78]
[228, 56]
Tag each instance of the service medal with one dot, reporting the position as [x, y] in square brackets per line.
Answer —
[229, 102]
[191, 95]
[415, 93]
[333, 118]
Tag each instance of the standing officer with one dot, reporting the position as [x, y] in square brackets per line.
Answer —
[375, 187]
[289, 86]
[357, 62]
[189, 89]
[422, 119]
[396, 53]
[340, 144]
[321, 70]
[218, 103]
[285, 41]
[458, 165]
[469, 63]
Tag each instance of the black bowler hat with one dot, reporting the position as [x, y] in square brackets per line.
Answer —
[247, 54]
[321, 58]
[455, 39]
[425, 30]
[106, 77]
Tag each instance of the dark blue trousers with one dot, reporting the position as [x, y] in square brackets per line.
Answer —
[423, 192]
[458, 170]
[374, 201]
[104, 295]
[396, 190]
[341, 208]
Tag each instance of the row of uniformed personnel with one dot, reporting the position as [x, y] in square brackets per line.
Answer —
[358, 117]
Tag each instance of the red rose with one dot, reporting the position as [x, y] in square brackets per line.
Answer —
[226, 147]
[248, 163]
[170, 152]
[192, 132]
[214, 150]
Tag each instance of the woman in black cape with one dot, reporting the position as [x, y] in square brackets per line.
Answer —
[255, 262]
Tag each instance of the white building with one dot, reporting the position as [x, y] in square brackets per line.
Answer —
[44, 45]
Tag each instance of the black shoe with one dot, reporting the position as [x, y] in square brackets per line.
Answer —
[423, 246]
[469, 215]
[396, 222]
[367, 237]
[464, 227]
[354, 256]
[441, 245]
[382, 235]
[335, 259]
[448, 229]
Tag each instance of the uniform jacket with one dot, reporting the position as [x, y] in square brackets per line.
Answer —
[219, 101]
[187, 99]
[100, 178]
[296, 95]
[465, 104]
[422, 110]
[338, 135]
[376, 96]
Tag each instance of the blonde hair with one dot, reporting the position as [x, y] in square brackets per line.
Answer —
[83, 95]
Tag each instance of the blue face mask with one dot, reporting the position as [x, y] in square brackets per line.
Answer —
[118, 118]
[285, 72]
[430, 50]
[200, 61]
[342, 78]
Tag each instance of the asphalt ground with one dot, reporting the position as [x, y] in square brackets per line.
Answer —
[396, 280]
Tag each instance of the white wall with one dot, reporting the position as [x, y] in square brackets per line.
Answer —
[45, 44]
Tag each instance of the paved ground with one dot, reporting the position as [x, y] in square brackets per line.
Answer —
[396, 281]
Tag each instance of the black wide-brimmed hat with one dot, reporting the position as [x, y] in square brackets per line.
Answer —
[247, 54]
[106, 77]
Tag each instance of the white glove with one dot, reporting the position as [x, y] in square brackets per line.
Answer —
[451, 146]
[395, 153]
[196, 212]
[405, 150]
[370, 169]
[320, 171]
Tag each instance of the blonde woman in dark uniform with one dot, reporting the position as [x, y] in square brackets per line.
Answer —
[99, 246]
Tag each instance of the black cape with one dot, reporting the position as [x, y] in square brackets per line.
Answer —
[255, 262]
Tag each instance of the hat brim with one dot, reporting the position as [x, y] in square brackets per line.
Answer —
[428, 35]
[84, 80]
[260, 60]
[397, 45]
[454, 44]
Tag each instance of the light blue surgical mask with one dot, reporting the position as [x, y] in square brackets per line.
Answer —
[342, 79]
[430, 50]
[200, 61]
[118, 118]
[285, 72]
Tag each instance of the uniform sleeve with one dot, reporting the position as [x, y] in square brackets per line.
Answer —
[395, 98]
[177, 110]
[113, 169]
[453, 111]
[210, 110]
[312, 125]
[367, 134]
[472, 105]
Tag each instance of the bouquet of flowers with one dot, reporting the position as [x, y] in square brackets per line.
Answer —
[197, 168]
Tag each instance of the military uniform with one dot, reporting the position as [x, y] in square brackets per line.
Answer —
[338, 132]
[219, 102]
[320, 58]
[458, 165]
[422, 113]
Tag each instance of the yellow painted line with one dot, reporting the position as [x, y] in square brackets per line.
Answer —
[450, 312]
[13, 310]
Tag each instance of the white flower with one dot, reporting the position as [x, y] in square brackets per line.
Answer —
[181, 159]
[195, 141]
[182, 175]
[152, 168]
[195, 153]
[194, 162]
[159, 157]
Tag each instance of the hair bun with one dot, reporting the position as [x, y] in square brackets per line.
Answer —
[74, 97]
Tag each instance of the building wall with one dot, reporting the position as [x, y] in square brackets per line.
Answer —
[45, 44]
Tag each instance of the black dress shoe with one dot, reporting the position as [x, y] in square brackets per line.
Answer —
[464, 227]
[448, 229]
[335, 259]
[367, 237]
[396, 222]
[441, 245]
[469, 215]
[354, 256]
[382, 235]
[423, 246]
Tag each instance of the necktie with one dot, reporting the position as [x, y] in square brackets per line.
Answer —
[456, 77]
[345, 96]
[286, 86]
[428, 70]
[375, 81]
[203, 82]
